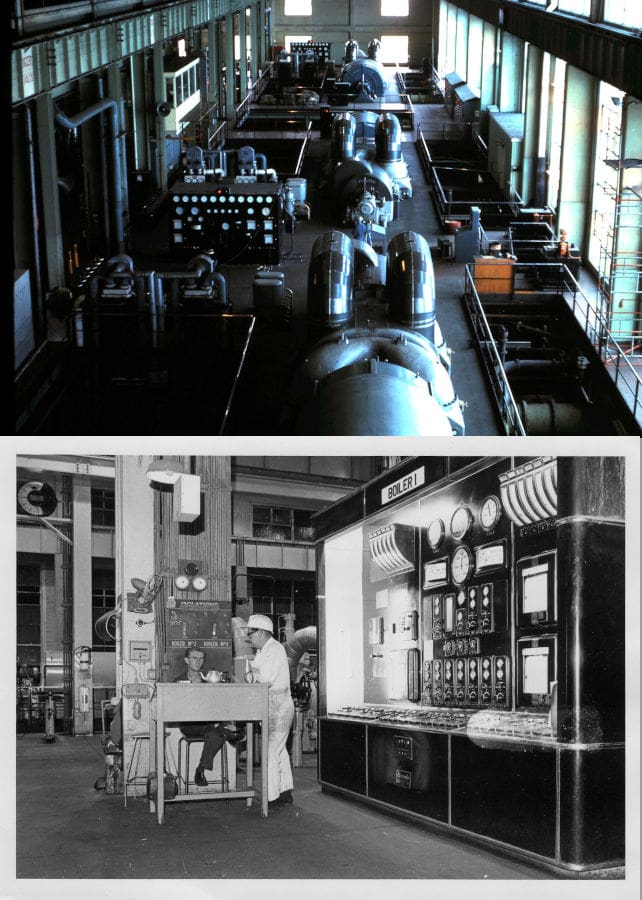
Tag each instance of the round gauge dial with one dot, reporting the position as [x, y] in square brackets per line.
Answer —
[460, 522]
[461, 565]
[181, 582]
[199, 583]
[490, 512]
[35, 498]
[191, 569]
[435, 534]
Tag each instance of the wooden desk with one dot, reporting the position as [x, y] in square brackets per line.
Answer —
[174, 703]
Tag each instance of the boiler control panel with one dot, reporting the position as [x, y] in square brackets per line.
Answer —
[465, 566]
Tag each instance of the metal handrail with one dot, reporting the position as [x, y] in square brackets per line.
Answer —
[605, 344]
[304, 149]
[500, 387]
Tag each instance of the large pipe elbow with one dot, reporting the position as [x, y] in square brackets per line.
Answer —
[330, 280]
[410, 282]
[302, 640]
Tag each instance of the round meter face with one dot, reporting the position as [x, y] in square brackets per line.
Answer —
[490, 512]
[435, 534]
[461, 565]
[199, 583]
[181, 582]
[460, 522]
[35, 498]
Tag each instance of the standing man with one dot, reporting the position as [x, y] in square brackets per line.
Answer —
[270, 666]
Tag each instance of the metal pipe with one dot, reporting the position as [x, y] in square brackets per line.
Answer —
[330, 281]
[37, 316]
[71, 122]
[410, 282]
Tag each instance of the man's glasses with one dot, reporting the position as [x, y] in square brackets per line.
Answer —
[251, 631]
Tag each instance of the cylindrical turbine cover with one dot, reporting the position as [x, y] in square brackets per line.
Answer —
[388, 138]
[410, 282]
[344, 128]
[330, 280]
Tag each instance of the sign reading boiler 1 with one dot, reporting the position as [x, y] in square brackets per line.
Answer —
[403, 485]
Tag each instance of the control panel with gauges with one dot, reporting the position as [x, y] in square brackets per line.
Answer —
[237, 222]
[465, 560]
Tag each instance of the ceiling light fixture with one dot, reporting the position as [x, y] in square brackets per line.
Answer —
[164, 471]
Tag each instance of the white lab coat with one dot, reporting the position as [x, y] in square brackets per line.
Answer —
[270, 666]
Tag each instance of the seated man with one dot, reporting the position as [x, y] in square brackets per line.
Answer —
[213, 734]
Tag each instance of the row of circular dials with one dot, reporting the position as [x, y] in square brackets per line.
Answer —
[490, 512]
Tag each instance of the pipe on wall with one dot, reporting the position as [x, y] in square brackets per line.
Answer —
[72, 122]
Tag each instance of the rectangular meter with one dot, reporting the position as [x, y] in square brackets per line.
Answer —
[436, 572]
[140, 651]
[490, 556]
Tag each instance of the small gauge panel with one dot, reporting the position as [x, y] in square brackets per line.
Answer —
[490, 512]
[461, 565]
[461, 522]
[435, 533]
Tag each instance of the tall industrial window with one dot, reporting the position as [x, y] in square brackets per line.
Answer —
[279, 597]
[394, 8]
[103, 510]
[280, 523]
[555, 130]
[28, 615]
[605, 178]
[103, 598]
[298, 8]
[575, 7]
[627, 13]
[394, 49]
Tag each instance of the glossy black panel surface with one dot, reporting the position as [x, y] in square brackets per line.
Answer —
[591, 676]
[338, 516]
[505, 795]
[409, 770]
[342, 754]
[592, 790]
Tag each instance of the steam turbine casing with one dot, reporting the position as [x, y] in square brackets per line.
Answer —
[388, 139]
[410, 282]
[342, 140]
[368, 70]
[330, 281]
[371, 397]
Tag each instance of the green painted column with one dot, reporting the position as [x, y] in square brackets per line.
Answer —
[527, 182]
[574, 207]
[50, 208]
[228, 62]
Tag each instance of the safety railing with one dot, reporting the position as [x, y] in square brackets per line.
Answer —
[506, 405]
[553, 279]
[610, 350]
[243, 109]
[304, 149]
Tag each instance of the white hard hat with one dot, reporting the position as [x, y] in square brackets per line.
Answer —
[259, 621]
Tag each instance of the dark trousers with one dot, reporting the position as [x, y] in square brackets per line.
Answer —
[213, 737]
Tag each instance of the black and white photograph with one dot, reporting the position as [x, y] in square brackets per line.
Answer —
[357, 667]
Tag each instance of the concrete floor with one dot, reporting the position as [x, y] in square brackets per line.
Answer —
[65, 829]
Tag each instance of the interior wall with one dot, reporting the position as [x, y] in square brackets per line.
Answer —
[360, 20]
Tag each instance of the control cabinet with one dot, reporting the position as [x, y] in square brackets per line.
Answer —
[237, 222]
[464, 600]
